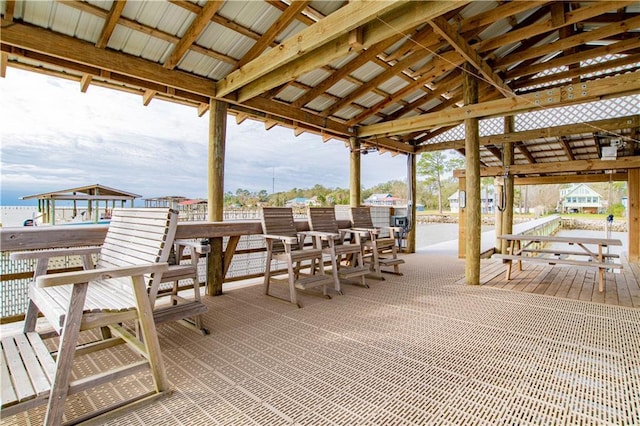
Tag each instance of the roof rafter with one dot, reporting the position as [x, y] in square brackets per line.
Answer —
[583, 92]
[442, 27]
[276, 28]
[293, 57]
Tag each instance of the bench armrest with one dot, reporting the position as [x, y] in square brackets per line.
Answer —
[46, 254]
[99, 274]
[324, 235]
[288, 240]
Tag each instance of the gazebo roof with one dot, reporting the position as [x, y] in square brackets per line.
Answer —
[390, 73]
[89, 192]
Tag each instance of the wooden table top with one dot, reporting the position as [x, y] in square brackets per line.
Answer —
[562, 239]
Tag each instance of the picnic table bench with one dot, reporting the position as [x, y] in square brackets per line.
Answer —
[521, 247]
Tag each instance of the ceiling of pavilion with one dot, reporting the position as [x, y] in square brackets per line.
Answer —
[389, 72]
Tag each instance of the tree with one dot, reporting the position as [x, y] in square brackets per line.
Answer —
[435, 165]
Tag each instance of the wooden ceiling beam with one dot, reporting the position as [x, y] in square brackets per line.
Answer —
[450, 34]
[573, 17]
[202, 19]
[375, 81]
[310, 48]
[150, 31]
[345, 70]
[276, 28]
[575, 178]
[610, 124]
[619, 47]
[567, 148]
[623, 163]
[525, 151]
[75, 51]
[578, 93]
[110, 23]
[569, 42]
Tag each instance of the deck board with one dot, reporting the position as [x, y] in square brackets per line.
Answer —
[621, 288]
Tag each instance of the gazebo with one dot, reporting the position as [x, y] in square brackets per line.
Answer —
[92, 195]
[391, 76]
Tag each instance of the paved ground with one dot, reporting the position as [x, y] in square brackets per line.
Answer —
[417, 349]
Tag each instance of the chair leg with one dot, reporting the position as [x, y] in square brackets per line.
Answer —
[292, 281]
[66, 352]
[267, 269]
[31, 317]
[334, 270]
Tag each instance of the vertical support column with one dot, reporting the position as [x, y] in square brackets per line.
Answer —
[217, 141]
[507, 159]
[472, 174]
[354, 172]
[411, 208]
[462, 223]
[633, 184]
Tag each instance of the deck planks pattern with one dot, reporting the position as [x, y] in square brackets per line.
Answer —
[571, 282]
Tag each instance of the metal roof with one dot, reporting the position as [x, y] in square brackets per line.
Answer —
[390, 72]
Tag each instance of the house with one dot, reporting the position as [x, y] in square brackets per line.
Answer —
[580, 198]
[384, 200]
[487, 201]
[302, 202]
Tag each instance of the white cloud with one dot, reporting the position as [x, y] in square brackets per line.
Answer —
[54, 137]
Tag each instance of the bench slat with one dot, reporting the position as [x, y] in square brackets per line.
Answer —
[19, 377]
[554, 261]
[8, 394]
[39, 380]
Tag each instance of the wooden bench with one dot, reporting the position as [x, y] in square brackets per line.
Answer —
[595, 259]
[131, 260]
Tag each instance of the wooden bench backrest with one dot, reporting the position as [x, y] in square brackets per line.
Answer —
[323, 219]
[361, 218]
[138, 236]
[279, 221]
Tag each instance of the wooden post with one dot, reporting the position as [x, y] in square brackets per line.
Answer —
[411, 237]
[354, 172]
[462, 223]
[507, 160]
[473, 215]
[633, 209]
[217, 140]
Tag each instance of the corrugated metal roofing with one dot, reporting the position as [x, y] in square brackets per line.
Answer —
[151, 29]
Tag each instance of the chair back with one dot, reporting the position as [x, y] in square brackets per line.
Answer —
[323, 219]
[138, 236]
[361, 218]
[279, 221]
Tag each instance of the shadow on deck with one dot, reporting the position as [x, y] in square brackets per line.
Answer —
[414, 349]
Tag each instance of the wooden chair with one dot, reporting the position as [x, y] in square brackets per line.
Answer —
[182, 276]
[284, 243]
[379, 252]
[113, 297]
[346, 258]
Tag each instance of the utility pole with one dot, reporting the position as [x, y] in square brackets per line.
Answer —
[273, 182]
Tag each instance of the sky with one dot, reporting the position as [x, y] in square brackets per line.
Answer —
[54, 137]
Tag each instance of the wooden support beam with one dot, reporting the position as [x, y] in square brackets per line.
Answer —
[9, 10]
[524, 151]
[633, 186]
[4, 60]
[202, 109]
[473, 217]
[354, 172]
[216, 160]
[571, 94]
[508, 182]
[450, 34]
[147, 96]
[85, 81]
[328, 40]
[276, 28]
[193, 32]
[577, 166]
[110, 23]
[567, 148]
[571, 178]
[609, 124]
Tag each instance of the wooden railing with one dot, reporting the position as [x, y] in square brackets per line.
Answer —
[223, 237]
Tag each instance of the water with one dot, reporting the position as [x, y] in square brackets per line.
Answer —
[433, 233]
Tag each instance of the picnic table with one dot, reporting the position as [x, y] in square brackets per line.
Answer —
[525, 247]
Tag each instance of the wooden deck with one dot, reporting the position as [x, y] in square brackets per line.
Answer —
[414, 349]
[622, 288]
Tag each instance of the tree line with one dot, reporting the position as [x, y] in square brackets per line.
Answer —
[432, 191]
